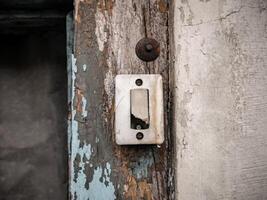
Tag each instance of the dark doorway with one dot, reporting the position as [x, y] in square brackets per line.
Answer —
[33, 101]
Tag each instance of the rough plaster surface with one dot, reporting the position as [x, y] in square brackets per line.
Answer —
[221, 99]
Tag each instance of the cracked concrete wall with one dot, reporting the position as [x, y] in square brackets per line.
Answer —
[221, 99]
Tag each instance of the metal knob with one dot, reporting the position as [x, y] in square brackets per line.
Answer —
[147, 49]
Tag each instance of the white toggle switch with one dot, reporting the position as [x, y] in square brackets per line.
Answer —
[139, 109]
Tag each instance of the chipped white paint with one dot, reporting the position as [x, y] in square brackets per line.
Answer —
[84, 67]
[100, 32]
[118, 42]
[74, 71]
[109, 87]
[120, 52]
[84, 104]
[221, 98]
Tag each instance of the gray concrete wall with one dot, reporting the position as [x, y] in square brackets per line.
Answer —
[221, 99]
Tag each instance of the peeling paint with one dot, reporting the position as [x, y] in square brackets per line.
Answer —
[101, 186]
[84, 67]
[100, 32]
[77, 185]
[78, 188]
[109, 86]
[84, 111]
[109, 30]
[101, 175]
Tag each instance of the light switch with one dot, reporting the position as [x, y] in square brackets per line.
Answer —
[139, 115]
[139, 102]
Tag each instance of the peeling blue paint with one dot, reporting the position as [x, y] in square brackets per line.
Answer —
[101, 186]
[77, 186]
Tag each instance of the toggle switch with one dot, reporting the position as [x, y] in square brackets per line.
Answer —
[139, 115]
[139, 103]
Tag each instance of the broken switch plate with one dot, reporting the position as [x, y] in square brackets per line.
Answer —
[139, 115]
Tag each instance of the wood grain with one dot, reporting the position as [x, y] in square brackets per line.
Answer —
[106, 33]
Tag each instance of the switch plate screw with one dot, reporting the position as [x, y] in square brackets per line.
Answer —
[139, 82]
[139, 136]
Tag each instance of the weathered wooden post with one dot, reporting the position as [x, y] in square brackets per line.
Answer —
[105, 36]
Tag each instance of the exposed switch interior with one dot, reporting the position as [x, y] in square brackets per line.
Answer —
[139, 109]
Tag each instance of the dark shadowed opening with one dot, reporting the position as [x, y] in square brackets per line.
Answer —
[33, 103]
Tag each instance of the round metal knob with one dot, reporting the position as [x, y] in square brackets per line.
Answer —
[147, 49]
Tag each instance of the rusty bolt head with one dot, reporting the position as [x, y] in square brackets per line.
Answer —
[147, 49]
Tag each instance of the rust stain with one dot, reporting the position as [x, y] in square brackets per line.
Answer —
[131, 188]
[106, 5]
[77, 16]
[79, 96]
[163, 6]
[135, 190]
[145, 190]
[77, 3]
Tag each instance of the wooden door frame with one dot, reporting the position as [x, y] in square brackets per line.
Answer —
[102, 45]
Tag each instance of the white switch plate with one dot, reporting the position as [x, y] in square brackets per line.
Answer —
[125, 135]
